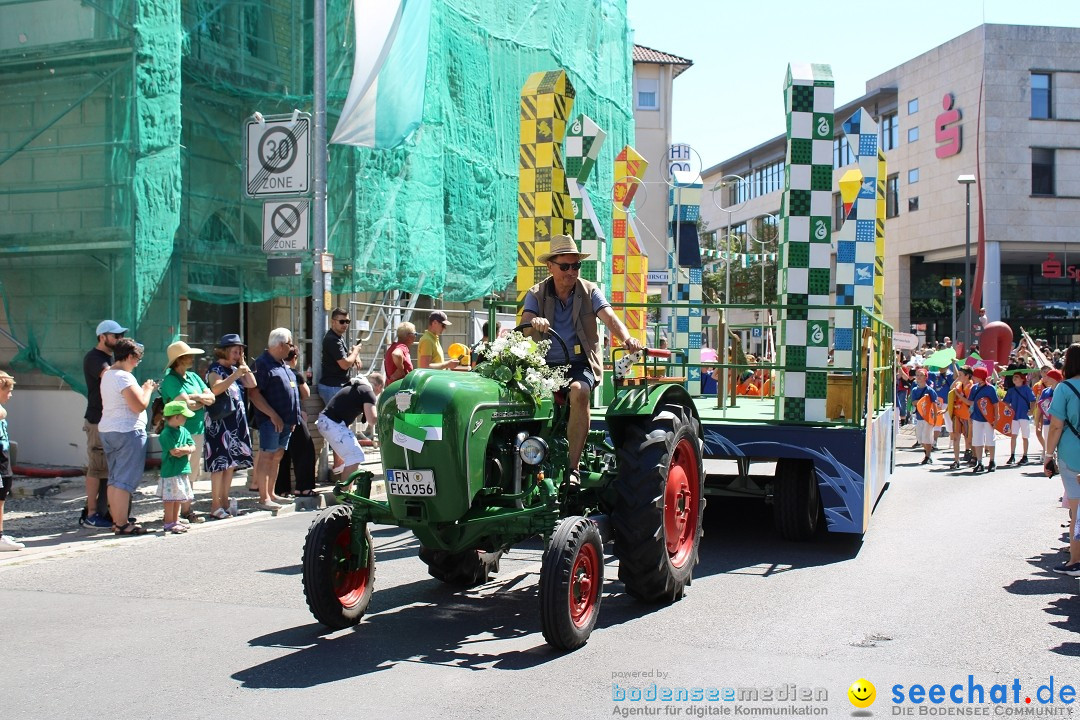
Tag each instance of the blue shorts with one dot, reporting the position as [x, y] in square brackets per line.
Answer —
[581, 372]
[327, 392]
[125, 452]
[270, 440]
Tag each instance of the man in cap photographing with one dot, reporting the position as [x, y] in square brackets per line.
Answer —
[570, 306]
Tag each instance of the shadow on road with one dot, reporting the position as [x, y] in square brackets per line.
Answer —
[428, 622]
[1050, 583]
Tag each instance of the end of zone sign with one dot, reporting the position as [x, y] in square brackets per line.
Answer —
[277, 156]
[285, 226]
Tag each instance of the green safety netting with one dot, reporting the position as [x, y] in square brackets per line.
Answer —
[121, 184]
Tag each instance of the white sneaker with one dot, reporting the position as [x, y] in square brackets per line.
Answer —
[8, 544]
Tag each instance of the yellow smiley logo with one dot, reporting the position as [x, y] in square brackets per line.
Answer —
[862, 693]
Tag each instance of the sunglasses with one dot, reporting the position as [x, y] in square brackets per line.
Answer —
[345, 321]
[567, 267]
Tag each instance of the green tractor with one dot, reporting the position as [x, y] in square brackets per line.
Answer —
[488, 469]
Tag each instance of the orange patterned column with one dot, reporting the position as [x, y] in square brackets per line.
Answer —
[629, 263]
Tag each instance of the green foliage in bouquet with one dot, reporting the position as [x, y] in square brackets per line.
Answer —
[518, 361]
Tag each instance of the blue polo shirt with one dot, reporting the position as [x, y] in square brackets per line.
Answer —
[983, 391]
[563, 323]
[917, 394]
[277, 384]
[1020, 399]
[941, 383]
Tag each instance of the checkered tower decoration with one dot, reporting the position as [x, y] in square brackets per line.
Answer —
[684, 283]
[544, 206]
[879, 235]
[629, 264]
[806, 242]
[581, 149]
[856, 242]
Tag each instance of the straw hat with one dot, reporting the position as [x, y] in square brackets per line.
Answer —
[178, 350]
[562, 245]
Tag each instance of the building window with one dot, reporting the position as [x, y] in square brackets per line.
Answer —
[837, 211]
[890, 132]
[841, 152]
[912, 204]
[648, 94]
[913, 134]
[1040, 96]
[912, 176]
[892, 196]
[913, 106]
[1042, 171]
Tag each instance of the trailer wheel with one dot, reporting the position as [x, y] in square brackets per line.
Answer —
[571, 583]
[796, 499]
[337, 596]
[659, 505]
[463, 569]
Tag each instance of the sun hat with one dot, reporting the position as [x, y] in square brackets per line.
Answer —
[1055, 375]
[5, 377]
[110, 327]
[980, 372]
[177, 407]
[438, 315]
[230, 339]
[178, 350]
[562, 245]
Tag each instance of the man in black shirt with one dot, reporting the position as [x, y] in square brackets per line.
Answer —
[95, 363]
[337, 358]
[335, 421]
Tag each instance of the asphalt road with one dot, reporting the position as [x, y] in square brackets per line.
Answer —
[952, 580]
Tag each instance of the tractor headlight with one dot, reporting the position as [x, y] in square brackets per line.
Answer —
[533, 450]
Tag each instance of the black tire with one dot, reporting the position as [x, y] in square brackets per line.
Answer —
[796, 499]
[337, 598]
[657, 514]
[571, 583]
[464, 569]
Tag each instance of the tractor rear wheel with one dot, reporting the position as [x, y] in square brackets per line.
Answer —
[337, 595]
[659, 506]
[796, 499]
[464, 569]
[571, 583]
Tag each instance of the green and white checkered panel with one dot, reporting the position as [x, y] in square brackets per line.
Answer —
[806, 241]
[581, 148]
[684, 283]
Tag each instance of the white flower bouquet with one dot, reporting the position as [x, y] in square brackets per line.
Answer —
[515, 360]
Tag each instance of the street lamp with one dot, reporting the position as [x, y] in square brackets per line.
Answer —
[967, 181]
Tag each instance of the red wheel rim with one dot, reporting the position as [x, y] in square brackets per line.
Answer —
[584, 585]
[681, 503]
[349, 585]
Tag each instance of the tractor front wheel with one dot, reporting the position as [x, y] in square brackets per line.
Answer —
[463, 569]
[571, 583]
[659, 507]
[337, 593]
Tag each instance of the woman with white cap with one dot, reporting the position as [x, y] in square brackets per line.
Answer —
[180, 383]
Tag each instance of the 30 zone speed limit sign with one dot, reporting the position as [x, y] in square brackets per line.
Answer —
[276, 156]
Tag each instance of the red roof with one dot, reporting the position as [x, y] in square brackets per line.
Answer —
[644, 54]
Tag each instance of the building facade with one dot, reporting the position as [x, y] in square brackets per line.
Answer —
[999, 103]
[654, 75]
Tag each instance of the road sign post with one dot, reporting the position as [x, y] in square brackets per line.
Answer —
[952, 284]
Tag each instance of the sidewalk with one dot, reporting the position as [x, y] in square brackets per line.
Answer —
[43, 513]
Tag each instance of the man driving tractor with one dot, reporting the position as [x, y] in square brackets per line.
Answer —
[570, 305]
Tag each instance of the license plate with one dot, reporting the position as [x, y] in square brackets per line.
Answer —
[414, 483]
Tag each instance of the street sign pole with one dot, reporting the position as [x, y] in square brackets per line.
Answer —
[952, 291]
[320, 281]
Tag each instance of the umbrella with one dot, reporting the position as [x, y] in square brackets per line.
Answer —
[942, 358]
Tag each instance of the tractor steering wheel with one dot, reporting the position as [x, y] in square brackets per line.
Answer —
[550, 331]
